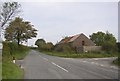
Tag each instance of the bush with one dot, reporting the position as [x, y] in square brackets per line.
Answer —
[11, 49]
[118, 47]
[117, 61]
[10, 70]
[66, 48]
[109, 48]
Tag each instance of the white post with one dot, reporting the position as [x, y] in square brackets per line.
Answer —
[13, 59]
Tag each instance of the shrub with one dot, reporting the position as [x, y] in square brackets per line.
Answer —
[11, 48]
[10, 70]
[66, 48]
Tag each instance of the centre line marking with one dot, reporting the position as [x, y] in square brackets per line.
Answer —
[60, 67]
[92, 62]
[45, 59]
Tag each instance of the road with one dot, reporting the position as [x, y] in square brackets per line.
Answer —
[41, 66]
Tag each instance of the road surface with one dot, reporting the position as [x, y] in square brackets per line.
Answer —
[41, 66]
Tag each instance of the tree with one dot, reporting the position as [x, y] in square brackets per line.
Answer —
[101, 38]
[19, 31]
[98, 38]
[8, 12]
[49, 46]
[118, 47]
[41, 44]
[106, 40]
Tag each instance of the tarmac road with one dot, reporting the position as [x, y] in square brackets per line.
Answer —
[41, 66]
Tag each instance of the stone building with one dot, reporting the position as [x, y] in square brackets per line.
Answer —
[80, 43]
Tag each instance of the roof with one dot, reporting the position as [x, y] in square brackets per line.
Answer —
[73, 38]
[69, 39]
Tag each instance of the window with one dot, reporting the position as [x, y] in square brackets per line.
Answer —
[83, 43]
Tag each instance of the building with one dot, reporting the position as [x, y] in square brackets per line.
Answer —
[80, 43]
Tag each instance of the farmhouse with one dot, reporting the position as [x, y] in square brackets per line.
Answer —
[80, 43]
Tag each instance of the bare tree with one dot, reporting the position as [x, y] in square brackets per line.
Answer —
[8, 11]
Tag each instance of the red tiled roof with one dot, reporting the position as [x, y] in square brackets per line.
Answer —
[73, 38]
[69, 39]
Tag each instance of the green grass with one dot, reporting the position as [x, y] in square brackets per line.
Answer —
[82, 55]
[0, 65]
[0, 70]
[9, 69]
[20, 55]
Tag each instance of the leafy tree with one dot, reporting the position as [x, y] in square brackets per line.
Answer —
[106, 40]
[98, 38]
[49, 46]
[8, 12]
[101, 38]
[118, 46]
[19, 31]
[41, 44]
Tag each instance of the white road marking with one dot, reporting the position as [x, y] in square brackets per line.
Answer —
[101, 65]
[95, 59]
[60, 67]
[92, 62]
[43, 58]
[84, 61]
[113, 67]
[96, 63]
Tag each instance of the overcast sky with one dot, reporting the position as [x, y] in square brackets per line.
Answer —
[57, 19]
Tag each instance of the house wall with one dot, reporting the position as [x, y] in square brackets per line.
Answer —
[92, 48]
[78, 41]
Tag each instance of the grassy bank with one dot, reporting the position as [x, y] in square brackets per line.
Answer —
[0, 64]
[10, 70]
[81, 55]
[0, 70]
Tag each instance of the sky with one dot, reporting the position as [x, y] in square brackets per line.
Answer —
[55, 19]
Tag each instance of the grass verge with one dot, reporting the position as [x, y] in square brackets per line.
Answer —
[80, 55]
[0, 70]
[9, 69]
